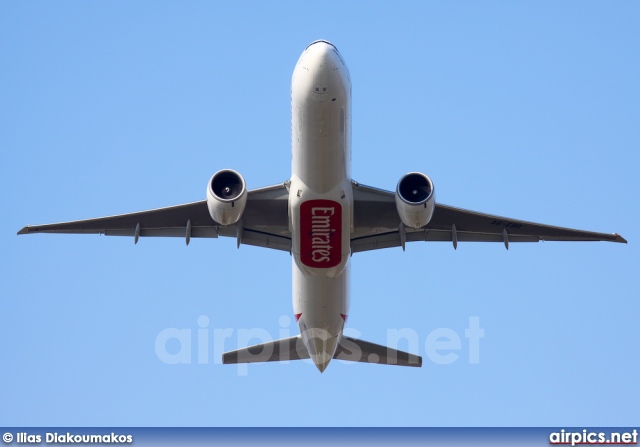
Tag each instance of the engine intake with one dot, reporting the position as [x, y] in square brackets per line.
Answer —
[415, 199]
[226, 196]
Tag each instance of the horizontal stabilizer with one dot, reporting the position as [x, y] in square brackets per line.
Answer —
[291, 348]
[349, 349]
[354, 350]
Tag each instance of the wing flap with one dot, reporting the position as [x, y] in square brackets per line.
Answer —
[204, 232]
[392, 239]
[257, 238]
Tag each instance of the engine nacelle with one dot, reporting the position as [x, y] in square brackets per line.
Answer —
[415, 199]
[226, 196]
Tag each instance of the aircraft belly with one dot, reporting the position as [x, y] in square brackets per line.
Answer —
[320, 305]
[320, 192]
[320, 114]
[320, 229]
[322, 300]
[320, 198]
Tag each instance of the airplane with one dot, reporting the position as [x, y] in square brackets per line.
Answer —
[321, 217]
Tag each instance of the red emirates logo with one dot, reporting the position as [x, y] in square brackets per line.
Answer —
[320, 233]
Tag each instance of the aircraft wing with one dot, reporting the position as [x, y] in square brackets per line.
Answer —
[377, 225]
[264, 223]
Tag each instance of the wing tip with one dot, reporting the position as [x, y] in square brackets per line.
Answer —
[24, 230]
[619, 239]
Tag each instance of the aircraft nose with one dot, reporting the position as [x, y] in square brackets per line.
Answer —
[322, 54]
[321, 59]
[318, 45]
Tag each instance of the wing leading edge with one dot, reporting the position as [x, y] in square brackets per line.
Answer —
[264, 223]
[377, 225]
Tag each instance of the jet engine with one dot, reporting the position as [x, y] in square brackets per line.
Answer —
[415, 199]
[226, 196]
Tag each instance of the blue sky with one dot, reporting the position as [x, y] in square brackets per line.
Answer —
[524, 110]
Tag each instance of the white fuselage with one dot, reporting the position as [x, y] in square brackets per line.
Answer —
[320, 198]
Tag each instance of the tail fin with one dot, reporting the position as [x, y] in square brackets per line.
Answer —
[349, 349]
